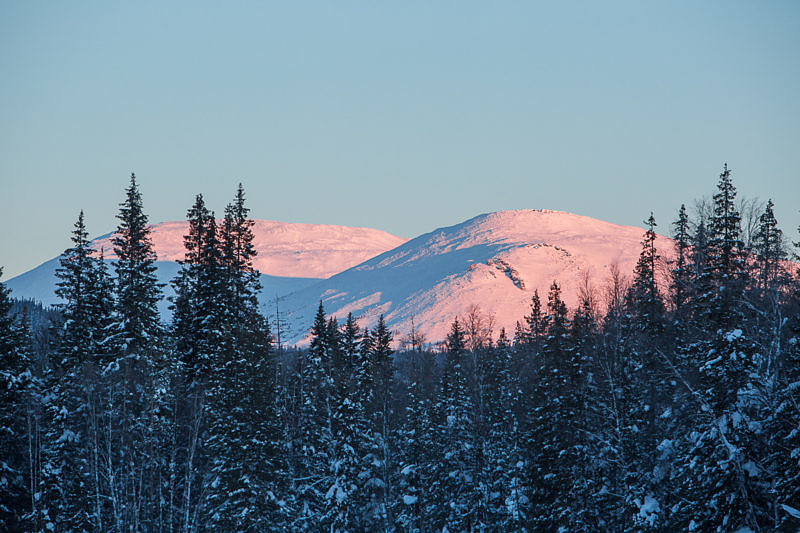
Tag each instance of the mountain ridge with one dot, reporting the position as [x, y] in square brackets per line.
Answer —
[495, 260]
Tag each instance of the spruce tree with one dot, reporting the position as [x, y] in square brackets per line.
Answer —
[716, 454]
[138, 288]
[454, 486]
[681, 273]
[769, 248]
[16, 497]
[244, 430]
[379, 368]
[75, 274]
[313, 430]
[644, 294]
[507, 498]
[552, 447]
[417, 452]
[71, 402]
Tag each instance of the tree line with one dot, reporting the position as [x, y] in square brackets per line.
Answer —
[672, 404]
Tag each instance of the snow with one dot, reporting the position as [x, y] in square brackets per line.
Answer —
[290, 257]
[791, 510]
[495, 260]
[733, 335]
[285, 249]
[336, 492]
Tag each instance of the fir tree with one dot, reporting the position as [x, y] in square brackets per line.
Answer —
[313, 423]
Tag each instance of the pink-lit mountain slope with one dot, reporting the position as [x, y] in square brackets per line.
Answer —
[287, 249]
[494, 260]
[290, 257]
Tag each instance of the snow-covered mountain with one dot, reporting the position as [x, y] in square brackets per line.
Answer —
[494, 260]
[290, 256]
[285, 249]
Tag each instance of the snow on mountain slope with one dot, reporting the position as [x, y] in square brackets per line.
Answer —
[494, 260]
[290, 256]
[286, 249]
[40, 283]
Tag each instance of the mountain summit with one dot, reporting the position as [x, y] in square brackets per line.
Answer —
[494, 260]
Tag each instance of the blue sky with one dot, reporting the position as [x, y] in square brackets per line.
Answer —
[403, 116]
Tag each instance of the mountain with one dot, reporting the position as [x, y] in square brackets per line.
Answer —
[290, 256]
[494, 261]
[285, 249]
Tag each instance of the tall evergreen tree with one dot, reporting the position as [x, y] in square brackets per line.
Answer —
[313, 436]
[379, 368]
[507, 498]
[646, 299]
[552, 451]
[138, 288]
[75, 274]
[416, 450]
[769, 248]
[681, 273]
[16, 490]
[129, 467]
[454, 487]
[70, 408]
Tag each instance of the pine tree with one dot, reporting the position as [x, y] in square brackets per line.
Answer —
[716, 454]
[417, 452]
[681, 273]
[16, 496]
[553, 451]
[138, 288]
[380, 370]
[71, 397]
[345, 497]
[784, 427]
[507, 499]
[725, 252]
[769, 248]
[644, 295]
[75, 274]
[454, 487]
[313, 419]
[244, 428]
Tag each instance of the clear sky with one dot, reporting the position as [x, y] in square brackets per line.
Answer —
[402, 116]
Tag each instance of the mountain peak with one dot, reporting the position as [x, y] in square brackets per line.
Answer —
[494, 260]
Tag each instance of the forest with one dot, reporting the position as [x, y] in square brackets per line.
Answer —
[667, 401]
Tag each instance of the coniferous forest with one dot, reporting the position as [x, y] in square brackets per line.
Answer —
[668, 401]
